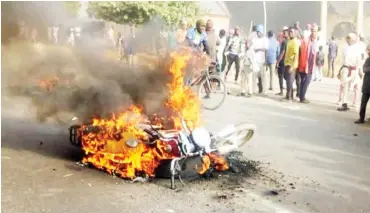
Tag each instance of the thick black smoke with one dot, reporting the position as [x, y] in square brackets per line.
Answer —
[82, 83]
[79, 83]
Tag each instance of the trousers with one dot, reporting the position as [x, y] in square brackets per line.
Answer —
[364, 100]
[290, 77]
[262, 80]
[281, 71]
[272, 71]
[249, 80]
[305, 82]
[234, 58]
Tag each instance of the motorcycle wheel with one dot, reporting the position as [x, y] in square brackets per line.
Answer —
[235, 139]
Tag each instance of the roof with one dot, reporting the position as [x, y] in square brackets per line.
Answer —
[216, 8]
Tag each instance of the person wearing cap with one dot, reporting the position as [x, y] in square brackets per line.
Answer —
[351, 61]
[234, 49]
[280, 62]
[332, 55]
[291, 63]
[365, 88]
[271, 58]
[260, 46]
[197, 37]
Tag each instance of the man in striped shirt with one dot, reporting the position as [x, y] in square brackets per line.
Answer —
[235, 48]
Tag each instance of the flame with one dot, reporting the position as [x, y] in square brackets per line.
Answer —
[48, 84]
[118, 144]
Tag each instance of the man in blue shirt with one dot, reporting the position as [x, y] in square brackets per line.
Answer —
[332, 55]
[197, 37]
[273, 52]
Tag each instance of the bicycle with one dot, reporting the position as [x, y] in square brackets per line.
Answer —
[212, 84]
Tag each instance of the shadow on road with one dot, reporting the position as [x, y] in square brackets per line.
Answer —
[45, 139]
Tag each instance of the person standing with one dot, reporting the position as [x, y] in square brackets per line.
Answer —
[272, 56]
[280, 62]
[226, 52]
[249, 71]
[233, 50]
[332, 55]
[303, 65]
[221, 59]
[320, 60]
[307, 30]
[212, 40]
[197, 37]
[307, 63]
[110, 34]
[130, 46]
[121, 46]
[181, 33]
[291, 62]
[260, 46]
[365, 88]
[298, 30]
[351, 61]
[55, 34]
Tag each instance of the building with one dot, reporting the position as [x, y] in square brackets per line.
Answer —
[217, 12]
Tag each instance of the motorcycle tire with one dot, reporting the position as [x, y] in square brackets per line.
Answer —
[237, 138]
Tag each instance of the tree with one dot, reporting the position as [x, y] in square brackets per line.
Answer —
[72, 7]
[125, 12]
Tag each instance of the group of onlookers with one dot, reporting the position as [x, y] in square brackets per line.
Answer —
[296, 56]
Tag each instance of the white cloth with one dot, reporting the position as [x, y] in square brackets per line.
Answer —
[260, 43]
[351, 56]
[220, 49]
[250, 60]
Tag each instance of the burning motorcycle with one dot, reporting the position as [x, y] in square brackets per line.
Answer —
[181, 145]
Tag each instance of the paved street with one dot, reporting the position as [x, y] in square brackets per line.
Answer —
[314, 147]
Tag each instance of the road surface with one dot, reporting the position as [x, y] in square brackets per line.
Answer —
[316, 153]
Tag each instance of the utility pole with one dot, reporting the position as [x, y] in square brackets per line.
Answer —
[265, 16]
[360, 16]
[324, 19]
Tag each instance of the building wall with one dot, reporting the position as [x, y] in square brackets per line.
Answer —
[219, 22]
[305, 12]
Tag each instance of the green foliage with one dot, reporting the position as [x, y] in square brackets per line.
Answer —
[124, 12]
[72, 7]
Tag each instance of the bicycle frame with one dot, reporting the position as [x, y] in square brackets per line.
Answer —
[204, 75]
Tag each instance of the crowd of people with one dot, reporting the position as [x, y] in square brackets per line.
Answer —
[296, 56]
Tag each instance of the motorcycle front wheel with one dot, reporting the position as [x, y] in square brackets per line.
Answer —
[237, 138]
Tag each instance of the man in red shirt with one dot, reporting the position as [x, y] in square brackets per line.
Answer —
[307, 60]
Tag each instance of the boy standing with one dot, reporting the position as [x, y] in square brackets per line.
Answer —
[320, 59]
[249, 71]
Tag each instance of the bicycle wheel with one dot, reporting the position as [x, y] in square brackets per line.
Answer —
[234, 137]
[212, 93]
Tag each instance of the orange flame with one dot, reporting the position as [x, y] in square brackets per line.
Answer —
[111, 147]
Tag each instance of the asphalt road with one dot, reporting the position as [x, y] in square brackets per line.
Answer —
[315, 148]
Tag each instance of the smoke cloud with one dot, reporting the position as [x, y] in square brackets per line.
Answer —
[61, 82]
